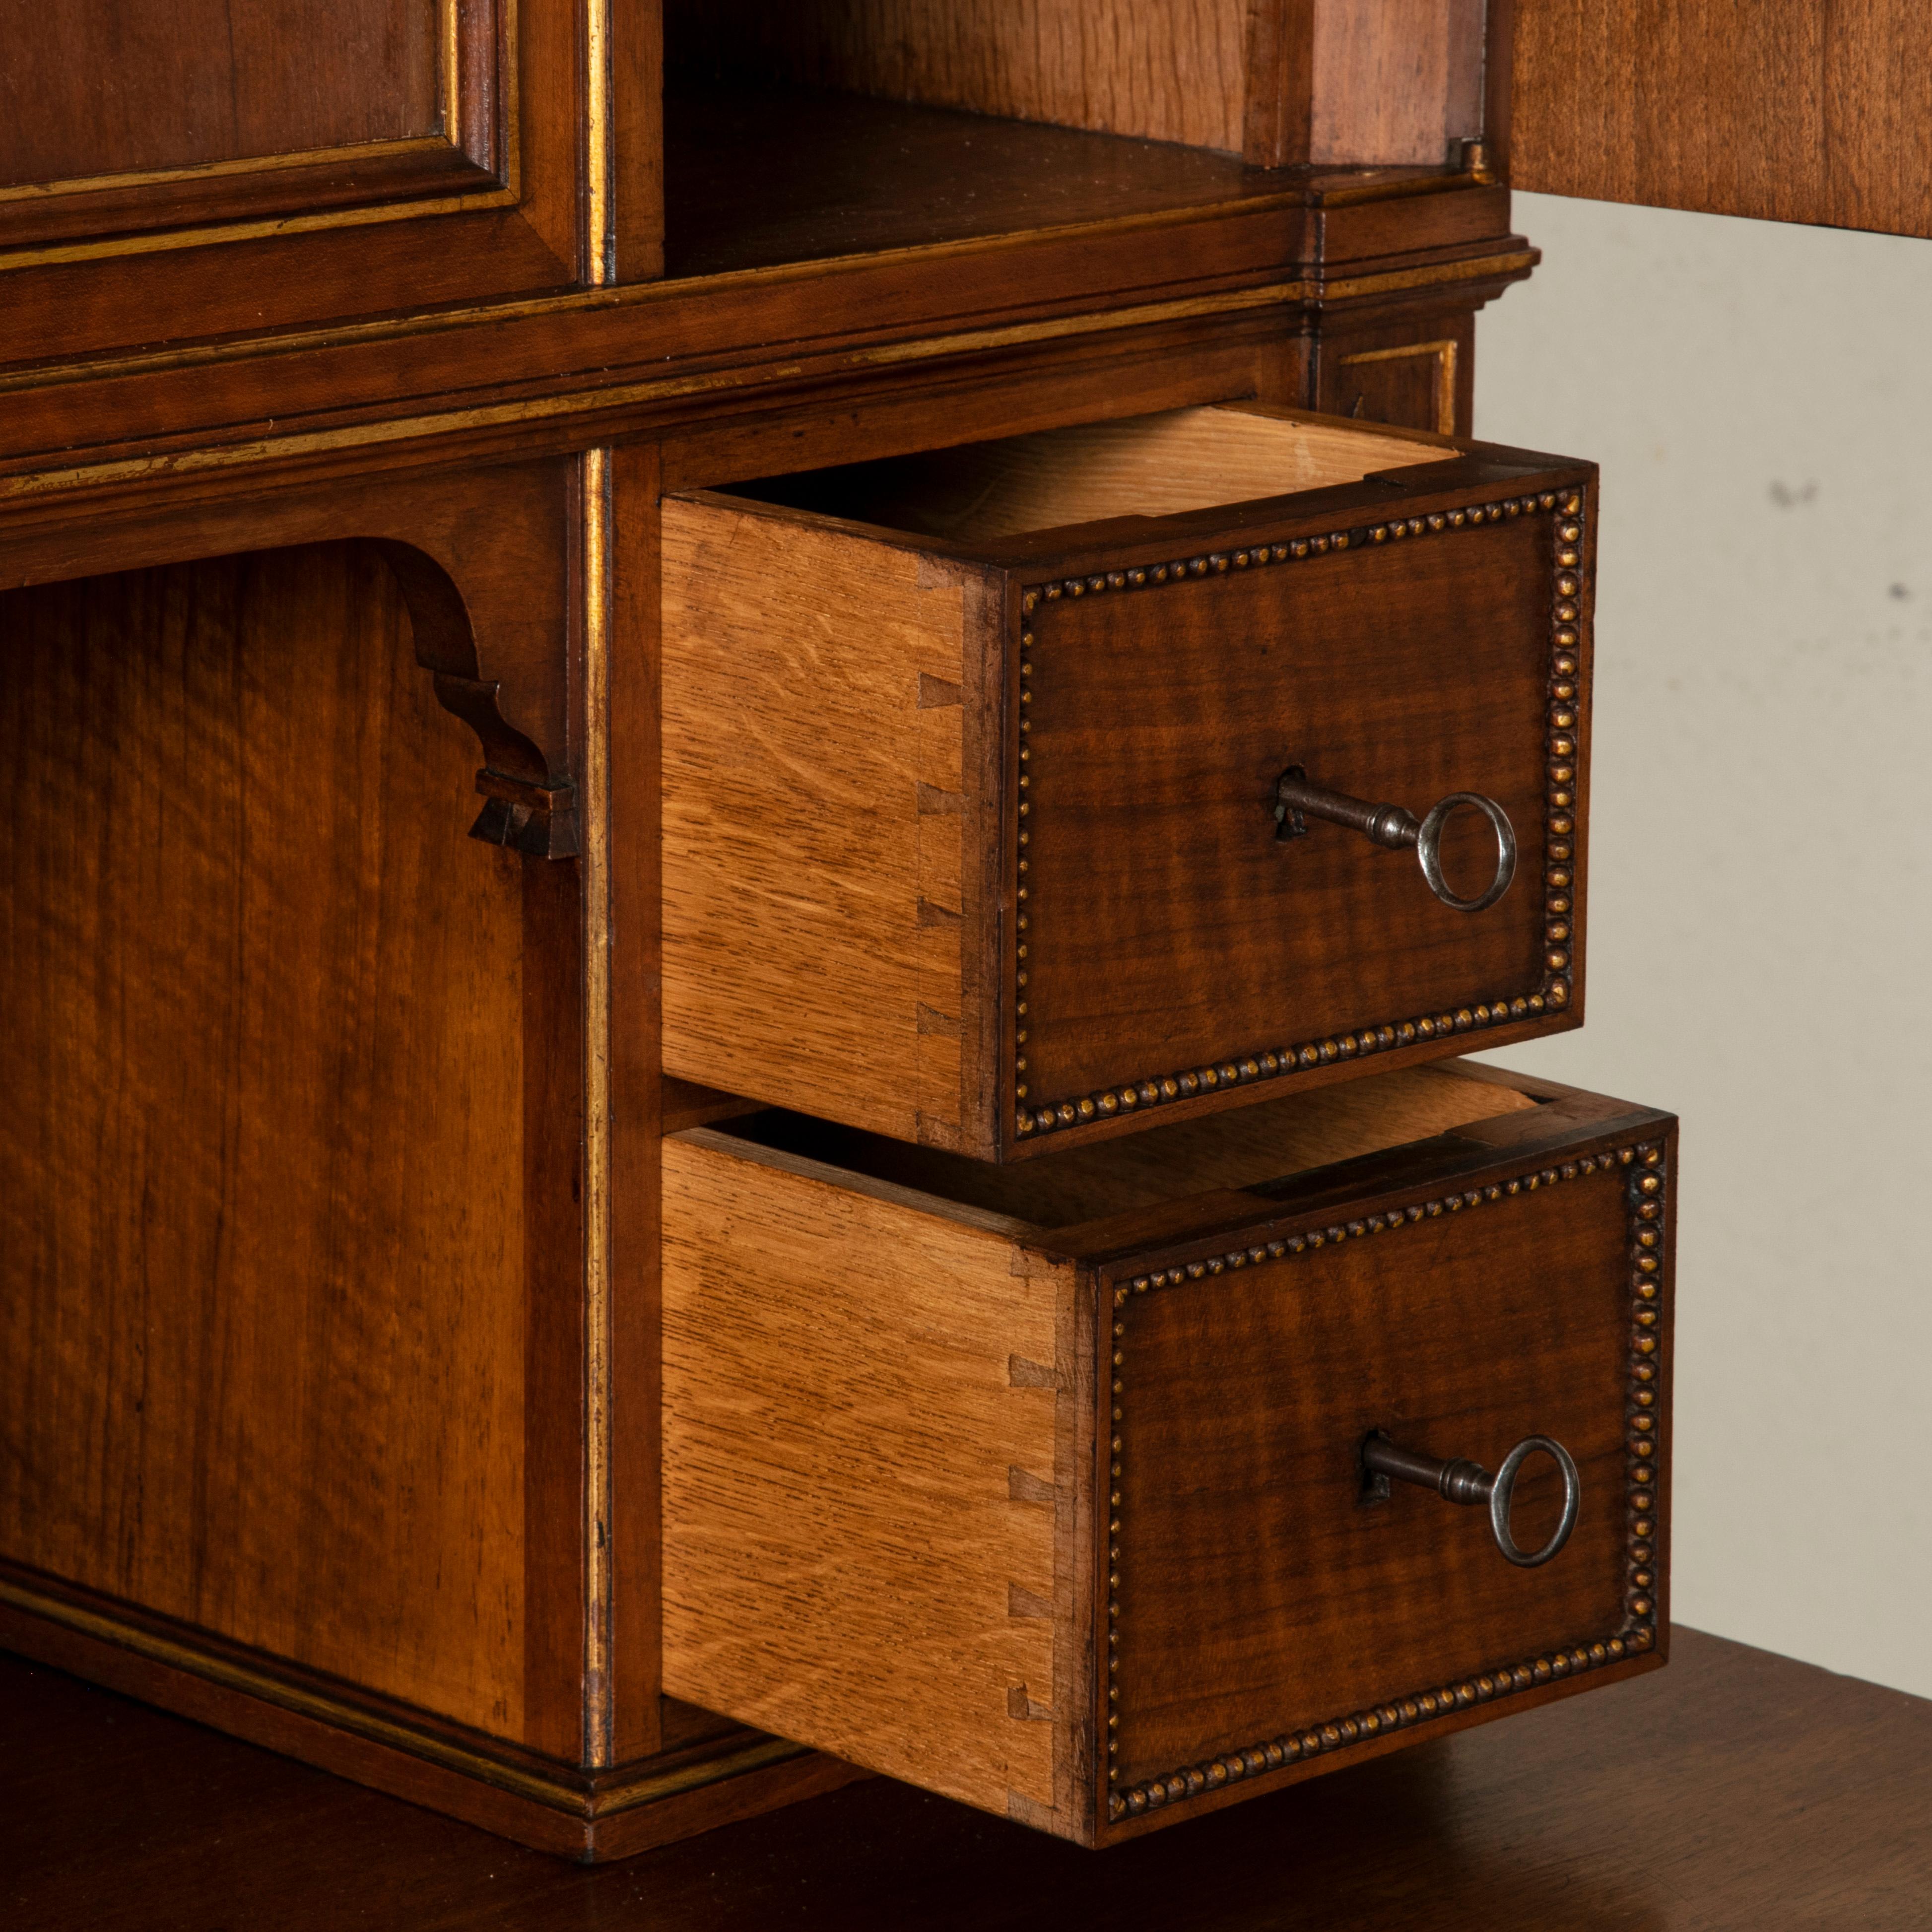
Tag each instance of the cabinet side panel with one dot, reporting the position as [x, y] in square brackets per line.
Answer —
[262, 1317]
[817, 813]
[859, 1466]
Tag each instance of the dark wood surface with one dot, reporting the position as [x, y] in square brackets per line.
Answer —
[1734, 1792]
[570, 369]
[115, 87]
[482, 201]
[758, 175]
[1787, 111]
[1261, 1596]
[1419, 629]
[1174, 71]
[1171, 930]
[339, 352]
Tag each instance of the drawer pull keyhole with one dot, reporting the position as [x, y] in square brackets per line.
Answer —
[1296, 799]
[1460, 1481]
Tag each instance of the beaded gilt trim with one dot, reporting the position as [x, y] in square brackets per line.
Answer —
[1637, 1633]
[1032, 1117]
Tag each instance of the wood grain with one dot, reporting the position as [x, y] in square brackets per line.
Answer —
[638, 1100]
[718, 1772]
[1160, 723]
[1787, 113]
[1147, 465]
[1168, 70]
[1395, 80]
[758, 176]
[388, 1323]
[1215, 1152]
[266, 1056]
[1351, 81]
[824, 862]
[843, 1354]
[1162, 919]
[101, 88]
[387, 202]
[1416, 368]
[860, 1545]
[1763, 1793]
[693, 353]
[1260, 1595]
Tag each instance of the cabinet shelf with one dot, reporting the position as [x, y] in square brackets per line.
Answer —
[757, 177]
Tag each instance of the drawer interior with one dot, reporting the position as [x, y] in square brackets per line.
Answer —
[1214, 1153]
[1153, 466]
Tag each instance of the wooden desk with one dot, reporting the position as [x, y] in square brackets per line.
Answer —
[1736, 1790]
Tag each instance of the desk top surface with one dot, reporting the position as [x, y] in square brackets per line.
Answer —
[1733, 1790]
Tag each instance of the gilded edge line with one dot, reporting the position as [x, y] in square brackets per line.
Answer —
[449, 49]
[624, 395]
[1032, 1117]
[347, 154]
[600, 239]
[506, 191]
[554, 1794]
[598, 1716]
[1643, 1165]
[1445, 352]
[644, 295]
[30, 485]
[166, 240]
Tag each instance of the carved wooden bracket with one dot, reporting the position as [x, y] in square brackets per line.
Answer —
[486, 559]
[530, 800]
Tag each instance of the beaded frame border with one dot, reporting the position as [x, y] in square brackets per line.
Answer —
[1647, 1198]
[1565, 506]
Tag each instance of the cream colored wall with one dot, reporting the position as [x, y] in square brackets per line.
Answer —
[1760, 399]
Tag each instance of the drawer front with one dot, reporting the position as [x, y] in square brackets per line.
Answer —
[1169, 943]
[1263, 1607]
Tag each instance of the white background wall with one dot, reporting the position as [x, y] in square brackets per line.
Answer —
[1760, 917]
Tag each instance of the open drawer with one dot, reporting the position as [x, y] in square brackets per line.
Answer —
[994, 777]
[1047, 1486]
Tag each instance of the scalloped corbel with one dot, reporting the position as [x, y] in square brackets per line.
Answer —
[530, 800]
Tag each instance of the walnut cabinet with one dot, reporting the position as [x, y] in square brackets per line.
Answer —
[577, 1083]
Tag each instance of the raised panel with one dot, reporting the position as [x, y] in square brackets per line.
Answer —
[281, 174]
[107, 87]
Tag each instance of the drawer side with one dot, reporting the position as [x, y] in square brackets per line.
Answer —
[826, 854]
[868, 1513]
